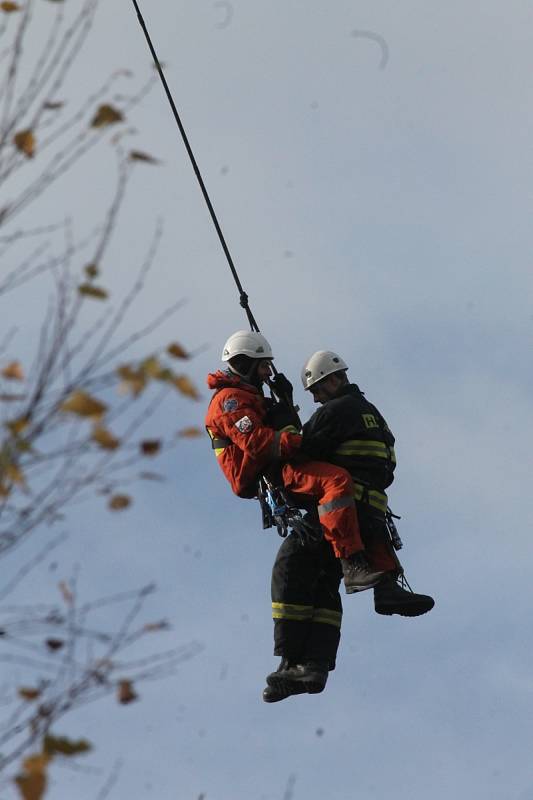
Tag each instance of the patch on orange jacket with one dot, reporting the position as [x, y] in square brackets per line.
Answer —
[244, 424]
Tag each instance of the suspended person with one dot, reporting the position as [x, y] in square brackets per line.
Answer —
[349, 432]
[246, 446]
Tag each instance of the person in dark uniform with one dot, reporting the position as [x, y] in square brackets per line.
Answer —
[350, 432]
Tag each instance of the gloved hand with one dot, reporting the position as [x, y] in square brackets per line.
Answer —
[281, 386]
[280, 415]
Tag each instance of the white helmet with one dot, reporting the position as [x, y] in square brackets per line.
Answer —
[247, 343]
[320, 365]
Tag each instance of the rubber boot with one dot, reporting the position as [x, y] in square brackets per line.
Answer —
[392, 598]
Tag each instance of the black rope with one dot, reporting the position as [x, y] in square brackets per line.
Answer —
[243, 297]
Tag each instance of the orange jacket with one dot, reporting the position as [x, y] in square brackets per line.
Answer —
[236, 416]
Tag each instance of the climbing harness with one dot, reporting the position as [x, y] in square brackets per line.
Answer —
[278, 511]
[392, 530]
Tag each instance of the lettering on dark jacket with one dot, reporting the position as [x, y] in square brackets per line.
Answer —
[350, 417]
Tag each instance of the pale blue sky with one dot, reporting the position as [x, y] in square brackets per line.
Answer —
[385, 214]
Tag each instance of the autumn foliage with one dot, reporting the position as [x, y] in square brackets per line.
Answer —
[73, 411]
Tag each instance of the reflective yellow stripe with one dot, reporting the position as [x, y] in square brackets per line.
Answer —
[328, 617]
[374, 498]
[289, 429]
[361, 447]
[218, 450]
[292, 611]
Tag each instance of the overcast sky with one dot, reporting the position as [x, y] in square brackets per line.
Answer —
[371, 165]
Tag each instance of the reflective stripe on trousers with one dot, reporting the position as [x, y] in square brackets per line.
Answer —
[300, 613]
[333, 489]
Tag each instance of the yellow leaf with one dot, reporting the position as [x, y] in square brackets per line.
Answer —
[190, 433]
[185, 386]
[14, 474]
[91, 270]
[106, 115]
[133, 380]
[64, 746]
[88, 290]
[165, 374]
[25, 142]
[151, 367]
[137, 155]
[5, 491]
[28, 694]
[31, 786]
[150, 447]
[126, 692]
[17, 426]
[13, 371]
[83, 405]
[119, 502]
[105, 438]
[9, 7]
[177, 350]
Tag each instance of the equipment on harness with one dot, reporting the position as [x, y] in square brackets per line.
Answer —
[392, 530]
[278, 511]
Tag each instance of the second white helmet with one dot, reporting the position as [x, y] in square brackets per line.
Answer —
[320, 365]
[247, 343]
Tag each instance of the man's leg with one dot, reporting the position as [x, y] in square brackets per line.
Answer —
[333, 489]
[305, 655]
[390, 596]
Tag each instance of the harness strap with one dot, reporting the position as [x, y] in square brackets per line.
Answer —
[372, 497]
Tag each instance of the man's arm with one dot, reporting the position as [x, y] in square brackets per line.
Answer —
[322, 434]
[246, 429]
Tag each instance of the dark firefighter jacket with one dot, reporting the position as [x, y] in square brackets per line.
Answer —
[244, 444]
[350, 432]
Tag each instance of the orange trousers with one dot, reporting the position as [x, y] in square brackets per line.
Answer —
[332, 488]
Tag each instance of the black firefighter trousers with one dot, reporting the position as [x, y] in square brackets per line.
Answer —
[306, 604]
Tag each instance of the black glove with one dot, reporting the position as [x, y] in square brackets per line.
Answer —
[281, 386]
[280, 415]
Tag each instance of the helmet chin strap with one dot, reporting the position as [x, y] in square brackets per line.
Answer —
[250, 376]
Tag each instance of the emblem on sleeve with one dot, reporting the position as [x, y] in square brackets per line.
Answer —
[244, 424]
[230, 404]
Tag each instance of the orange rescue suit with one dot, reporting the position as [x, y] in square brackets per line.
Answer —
[245, 447]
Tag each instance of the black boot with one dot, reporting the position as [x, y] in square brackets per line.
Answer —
[277, 688]
[358, 574]
[310, 677]
[392, 598]
[272, 694]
